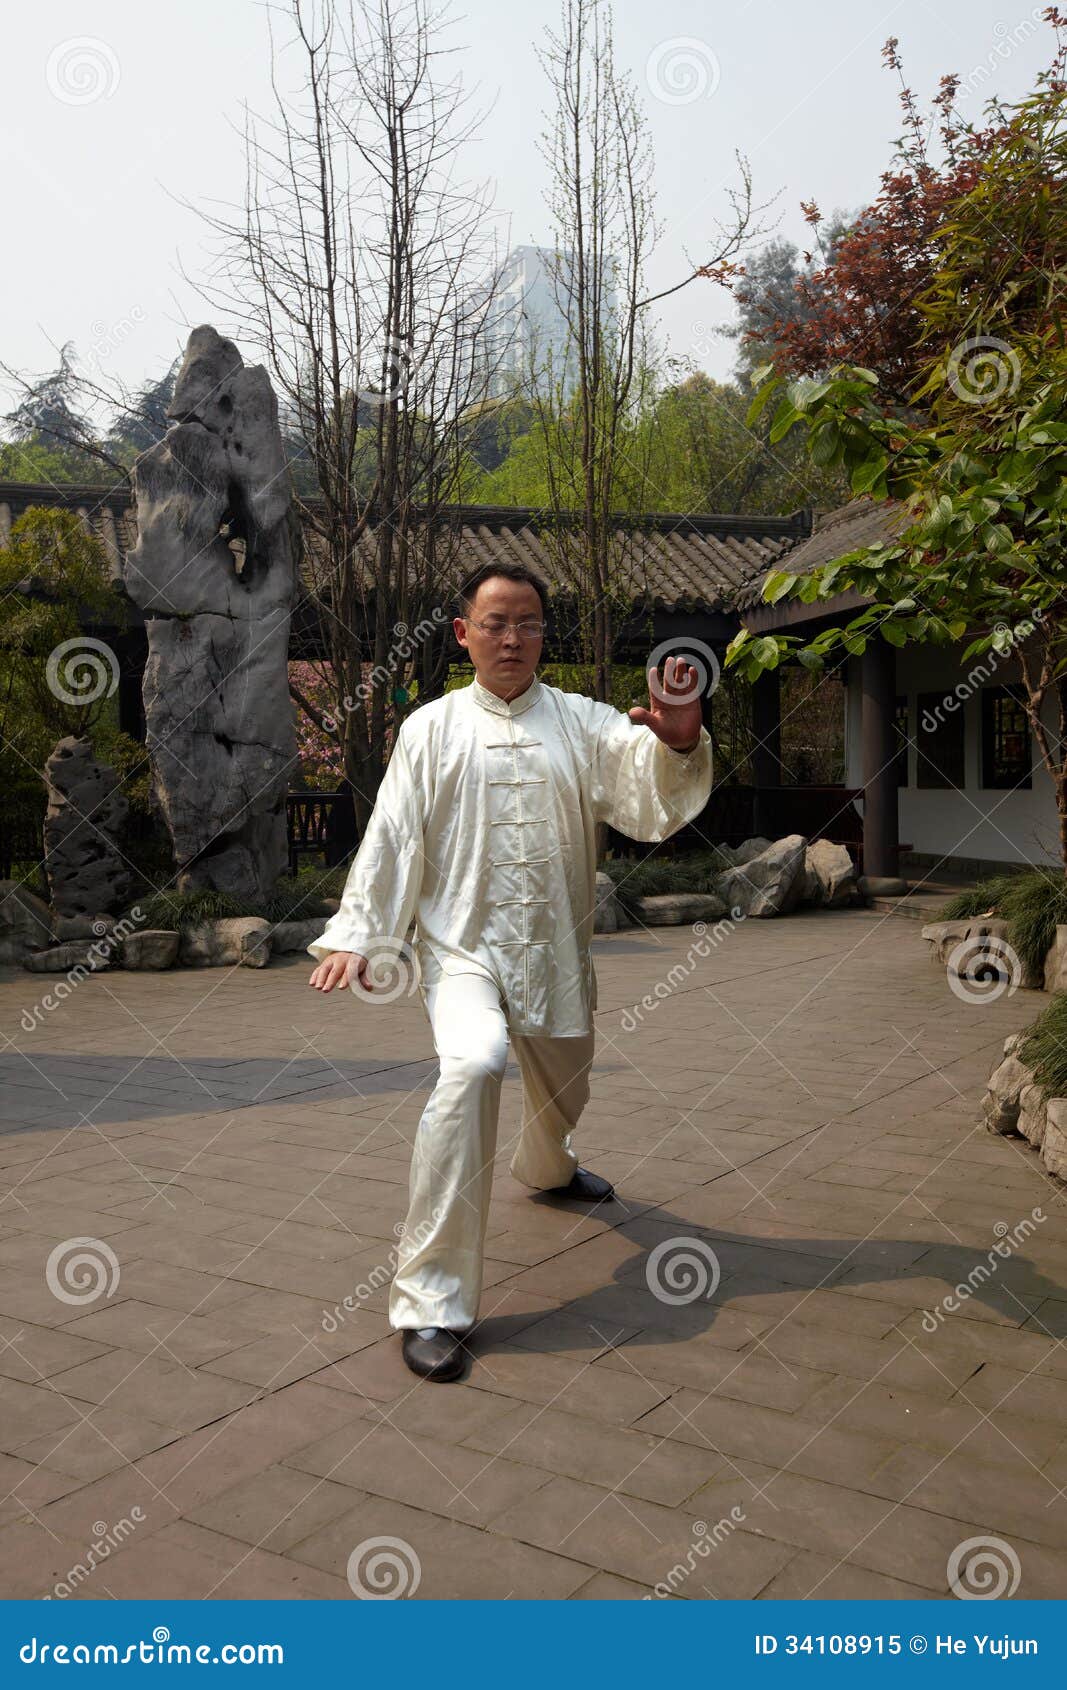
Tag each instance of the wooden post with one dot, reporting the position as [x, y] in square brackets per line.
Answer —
[766, 745]
[879, 751]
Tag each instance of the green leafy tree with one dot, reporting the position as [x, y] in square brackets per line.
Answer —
[978, 458]
[56, 679]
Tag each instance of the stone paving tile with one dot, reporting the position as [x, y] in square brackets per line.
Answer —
[154, 1385]
[447, 1558]
[430, 1473]
[658, 1469]
[91, 1447]
[275, 1508]
[640, 1540]
[603, 1431]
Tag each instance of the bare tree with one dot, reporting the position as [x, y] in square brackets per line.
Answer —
[362, 266]
[589, 399]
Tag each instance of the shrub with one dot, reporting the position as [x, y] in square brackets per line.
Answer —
[1045, 1048]
[656, 875]
[291, 900]
[1033, 903]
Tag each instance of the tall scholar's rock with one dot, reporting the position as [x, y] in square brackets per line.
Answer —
[213, 572]
[87, 875]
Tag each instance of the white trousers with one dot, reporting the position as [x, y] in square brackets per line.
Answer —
[438, 1279]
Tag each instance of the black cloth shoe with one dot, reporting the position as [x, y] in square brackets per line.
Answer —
[586, 1187]
[438, 1356]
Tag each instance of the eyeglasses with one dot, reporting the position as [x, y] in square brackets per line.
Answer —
[497, 626]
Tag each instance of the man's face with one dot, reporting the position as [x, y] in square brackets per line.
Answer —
[504, 663]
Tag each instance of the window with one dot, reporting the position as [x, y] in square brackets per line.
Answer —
[939, 741]
[1005, 739]
[900, 724]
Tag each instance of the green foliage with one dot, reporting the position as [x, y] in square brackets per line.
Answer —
[979, 462]
[1032, 902]
[982, 899]
[657, 875]
[1045, 1048]
[687, 448]
[66, 570]
[296, 899]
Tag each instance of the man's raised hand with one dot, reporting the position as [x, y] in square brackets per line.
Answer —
[673, 711]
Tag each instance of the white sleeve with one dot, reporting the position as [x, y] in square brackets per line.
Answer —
[382, 889]
[640, 786]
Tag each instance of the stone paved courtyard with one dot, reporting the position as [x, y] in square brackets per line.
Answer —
[801, 1105]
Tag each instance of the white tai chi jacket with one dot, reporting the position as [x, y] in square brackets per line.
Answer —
[483, 833]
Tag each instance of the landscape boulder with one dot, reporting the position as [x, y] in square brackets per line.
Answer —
[1011, 1076]
[25, 922]
[151, 950]
[678, 909]
[241, 940]
[767, 884]
[829, 875]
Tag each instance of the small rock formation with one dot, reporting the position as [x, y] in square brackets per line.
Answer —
[679, 909]
[25, 922]
[1015, 1103]
[86, 809]
[829, 874]
[1003, 1098]
[736, 855]
[92, 956]
[1055, 975]
[606, 912]
[153, 949]
[242, 940]
[289, 936]
[1054, 1143]
[960, 945]
[882, 886]
[769, 883]
[213, 571]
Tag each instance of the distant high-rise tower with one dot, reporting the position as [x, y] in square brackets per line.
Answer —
[526, 328]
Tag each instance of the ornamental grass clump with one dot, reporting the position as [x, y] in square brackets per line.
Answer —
[1033, 903]
[1045, 1048]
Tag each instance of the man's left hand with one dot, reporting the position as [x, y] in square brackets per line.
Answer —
[673, 711]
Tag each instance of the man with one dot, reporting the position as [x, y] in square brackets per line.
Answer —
[484, 832]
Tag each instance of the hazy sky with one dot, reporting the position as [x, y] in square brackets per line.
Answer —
[112, 111]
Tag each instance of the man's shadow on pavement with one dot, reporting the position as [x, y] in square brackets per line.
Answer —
[686, 1277]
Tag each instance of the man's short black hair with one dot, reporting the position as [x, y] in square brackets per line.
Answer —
[510, 572]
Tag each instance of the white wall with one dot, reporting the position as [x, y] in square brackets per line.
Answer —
[987, 823]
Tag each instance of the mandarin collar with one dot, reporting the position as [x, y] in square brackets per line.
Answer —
[501, 707]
